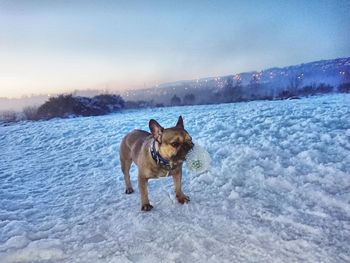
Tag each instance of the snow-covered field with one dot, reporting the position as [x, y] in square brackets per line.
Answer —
[278, 189]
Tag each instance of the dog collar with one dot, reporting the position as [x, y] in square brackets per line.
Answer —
[158, 158]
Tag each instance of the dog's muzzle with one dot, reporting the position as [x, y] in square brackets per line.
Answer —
[185, 148]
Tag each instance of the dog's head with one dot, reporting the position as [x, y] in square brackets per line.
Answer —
[174, 143]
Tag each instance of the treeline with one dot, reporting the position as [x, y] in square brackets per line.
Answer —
[229, 91]
[64, 106]
[259, 91]
[255, 91]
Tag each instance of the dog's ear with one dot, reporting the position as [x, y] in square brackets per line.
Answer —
[156, 130]
[180, 123]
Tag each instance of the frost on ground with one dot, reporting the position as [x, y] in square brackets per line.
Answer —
[278, 189]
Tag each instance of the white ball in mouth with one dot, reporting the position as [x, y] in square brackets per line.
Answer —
[197, 160]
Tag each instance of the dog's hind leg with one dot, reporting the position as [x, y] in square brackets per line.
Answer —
[125, 162]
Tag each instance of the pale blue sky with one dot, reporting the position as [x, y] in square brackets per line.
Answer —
[54, 46]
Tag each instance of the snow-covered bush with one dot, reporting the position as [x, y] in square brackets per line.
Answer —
[68, 105]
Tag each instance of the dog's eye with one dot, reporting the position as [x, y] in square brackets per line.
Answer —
[175, 144]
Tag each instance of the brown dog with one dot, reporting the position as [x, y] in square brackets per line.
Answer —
[156, 154]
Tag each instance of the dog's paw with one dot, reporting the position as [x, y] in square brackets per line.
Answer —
[129, 190]
[146, 207]
[182, 199]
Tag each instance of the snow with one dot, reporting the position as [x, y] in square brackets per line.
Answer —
[278, 189]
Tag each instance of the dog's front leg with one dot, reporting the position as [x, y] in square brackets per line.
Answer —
[181, 197]
[143, 185]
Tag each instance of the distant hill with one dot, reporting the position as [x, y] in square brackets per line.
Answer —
[269, 82]
[331, 72]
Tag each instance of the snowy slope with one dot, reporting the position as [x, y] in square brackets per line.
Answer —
[278, 189]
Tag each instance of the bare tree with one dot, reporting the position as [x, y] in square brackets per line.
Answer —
[255, 84]
[8, 116]
[189, 99]
[175, 101]
[30, 113]
[295, 82]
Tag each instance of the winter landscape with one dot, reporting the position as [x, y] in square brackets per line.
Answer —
[263, 88]
[278, 188]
